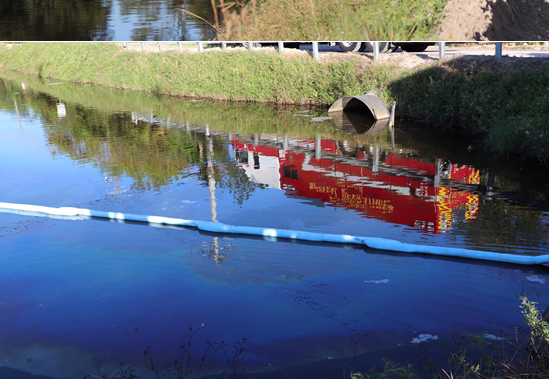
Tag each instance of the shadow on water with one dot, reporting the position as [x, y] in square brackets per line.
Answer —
[54, 20]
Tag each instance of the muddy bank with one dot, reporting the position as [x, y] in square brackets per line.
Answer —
[495, 20]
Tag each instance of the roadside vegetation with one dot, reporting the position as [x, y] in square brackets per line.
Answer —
[501, 106]
[321, 20]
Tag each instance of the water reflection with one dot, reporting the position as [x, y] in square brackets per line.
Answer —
[394, 187]
[72, 290]
[103, 20]
[328, 167]
[358, 123]
[55, 20]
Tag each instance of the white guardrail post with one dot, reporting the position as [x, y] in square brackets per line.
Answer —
[315, 51]
[499, 50]
[200, 46]
[376, 51]
[280, 46]
[441, 50]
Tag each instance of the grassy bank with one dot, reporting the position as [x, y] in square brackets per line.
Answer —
[241, 118]
[238, 76]
[321, 20]
[501, 105]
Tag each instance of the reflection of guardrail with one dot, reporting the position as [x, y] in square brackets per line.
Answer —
[280, 46]
[374, 160]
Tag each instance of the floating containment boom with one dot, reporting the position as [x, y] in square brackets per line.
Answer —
[218, 227]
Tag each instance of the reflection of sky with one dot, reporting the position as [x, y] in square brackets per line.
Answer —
[164, 26]
[60, 181]
[88, 284]
[71, 290]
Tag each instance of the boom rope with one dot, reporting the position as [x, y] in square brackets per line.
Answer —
[218, 227]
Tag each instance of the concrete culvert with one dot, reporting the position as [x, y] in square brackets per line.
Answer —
[361, 104]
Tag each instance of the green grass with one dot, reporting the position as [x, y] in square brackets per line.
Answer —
[504, 105]
[322, 20]
[235, 117]
[501, 106]
[223, 75]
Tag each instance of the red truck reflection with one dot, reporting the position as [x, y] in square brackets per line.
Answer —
[410, 197]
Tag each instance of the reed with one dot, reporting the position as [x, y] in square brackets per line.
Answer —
[324, 20]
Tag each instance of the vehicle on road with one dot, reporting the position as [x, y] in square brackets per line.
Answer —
[357, 46]
[384, 47]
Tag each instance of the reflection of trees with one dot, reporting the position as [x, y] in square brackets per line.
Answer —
[152, 155]
[150, 14]
[122, 148]
[226, 174]
[501, 223]
[85, 20]
[159, 18]
[54, 20]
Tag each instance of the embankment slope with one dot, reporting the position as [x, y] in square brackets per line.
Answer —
[502, 105]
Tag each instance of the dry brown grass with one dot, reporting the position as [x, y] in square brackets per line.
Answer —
[293, 20]
[306, 17]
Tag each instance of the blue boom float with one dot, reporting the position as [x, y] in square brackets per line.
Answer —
[218, 227]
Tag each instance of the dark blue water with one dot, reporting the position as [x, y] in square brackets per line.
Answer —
[72, 290]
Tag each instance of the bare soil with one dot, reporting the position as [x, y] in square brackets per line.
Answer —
[495, 20]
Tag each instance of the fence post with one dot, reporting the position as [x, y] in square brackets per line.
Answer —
[124, 45]
[142, 45]
[159, 46]
[315, 51]
[179, 45]
[280, 47]
[441, 50]
[375, 163]
[499, 48]
[200, 46]
[224, 45]
[318, 147]
[251, 45]
[376, 51]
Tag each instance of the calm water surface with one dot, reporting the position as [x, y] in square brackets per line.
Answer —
[72, 290]
[105, 20]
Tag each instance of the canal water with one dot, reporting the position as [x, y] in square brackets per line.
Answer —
[79, 296]
[106, 20]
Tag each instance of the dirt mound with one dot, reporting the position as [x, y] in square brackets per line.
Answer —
[495, 20]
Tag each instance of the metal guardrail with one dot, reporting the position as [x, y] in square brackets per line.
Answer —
[280, 45]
